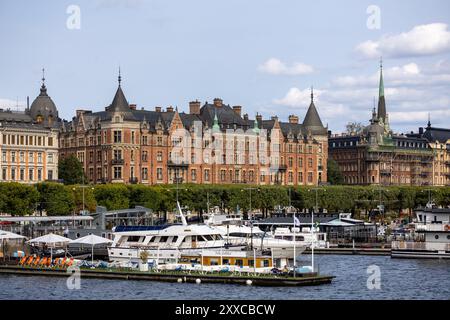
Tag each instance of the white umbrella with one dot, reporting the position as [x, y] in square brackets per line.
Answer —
[6, 235]
[50, 239]
[91, 239]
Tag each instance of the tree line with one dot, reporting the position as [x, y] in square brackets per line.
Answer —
[58, 199]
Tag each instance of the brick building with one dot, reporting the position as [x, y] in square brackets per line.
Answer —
[213, 143]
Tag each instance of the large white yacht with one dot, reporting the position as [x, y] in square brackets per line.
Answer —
[433, 227]
[130, 241]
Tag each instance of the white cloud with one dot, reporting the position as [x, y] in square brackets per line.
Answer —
[298, 98]
[428, 39]
[277, 67]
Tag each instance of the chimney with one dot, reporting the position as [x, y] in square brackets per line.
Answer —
[158, 109]
[258, 118]
[79, 112]
[218, 102]
[237, 110]
[293, 118]
[133, 106]
[246, 117]
[420, 130]
[194, 107]
[169, 109]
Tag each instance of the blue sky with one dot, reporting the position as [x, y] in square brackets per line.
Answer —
[263, 55]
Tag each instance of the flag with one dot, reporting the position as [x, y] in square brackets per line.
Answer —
[296, 221]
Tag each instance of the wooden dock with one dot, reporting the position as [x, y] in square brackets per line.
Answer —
[177, 276]
[348, 251]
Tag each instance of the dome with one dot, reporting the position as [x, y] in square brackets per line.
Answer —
[43, 108]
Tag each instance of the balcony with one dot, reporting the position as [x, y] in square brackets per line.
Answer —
[117, 161]
[181, 164]
[133, 180]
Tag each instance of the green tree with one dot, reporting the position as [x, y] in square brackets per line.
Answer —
[71, 170]
[89, 199]
[18, 199]
[55, 199]
[113, 196]
[334, 173]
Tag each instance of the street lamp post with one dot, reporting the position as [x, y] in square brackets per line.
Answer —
[251, 214]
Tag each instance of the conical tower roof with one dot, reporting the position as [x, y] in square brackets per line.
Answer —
[119, 102]
[312, 119]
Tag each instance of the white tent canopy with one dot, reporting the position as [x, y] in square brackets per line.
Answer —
[50, 239]
[92, 240]
[6, 235]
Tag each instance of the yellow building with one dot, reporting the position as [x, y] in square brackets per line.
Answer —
[29, 142]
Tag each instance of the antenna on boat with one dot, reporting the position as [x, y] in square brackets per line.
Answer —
[183, 218]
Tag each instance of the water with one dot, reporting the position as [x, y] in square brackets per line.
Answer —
[400, 279]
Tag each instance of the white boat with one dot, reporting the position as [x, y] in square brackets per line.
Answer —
[130, 241]
[303, 237]
[433, 228]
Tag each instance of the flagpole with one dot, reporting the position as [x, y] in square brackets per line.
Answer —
[294, 244]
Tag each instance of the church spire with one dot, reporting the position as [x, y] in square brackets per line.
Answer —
[381, 99]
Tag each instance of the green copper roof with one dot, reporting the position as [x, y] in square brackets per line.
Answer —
[381, 90]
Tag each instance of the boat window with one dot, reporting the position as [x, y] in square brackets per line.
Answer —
[265, 263]
[288, 238]
[214, 262]
[174, 239]
[208, 237]
[250, 263]
[279, 237]
[152, 239]
[238, 234]
[225, 261]
[299, 238]
[185, 239]
[163, 239]
[217, 237]
[200, 238]
[133, 238]
[436, 237]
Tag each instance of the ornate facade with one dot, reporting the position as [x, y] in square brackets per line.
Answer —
[29, 141]
[378, 156]
[212, 144]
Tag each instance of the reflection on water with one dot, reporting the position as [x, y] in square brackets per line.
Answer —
[400, 279]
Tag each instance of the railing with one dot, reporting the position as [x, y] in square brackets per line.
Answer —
[429, 246]
[117, 161]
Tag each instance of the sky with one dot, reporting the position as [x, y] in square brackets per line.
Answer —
[263, 55]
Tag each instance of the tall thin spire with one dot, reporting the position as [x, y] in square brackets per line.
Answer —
[312, 94]
[429, 121]
[119, 77]
[381, 98]
[43, 88]
[43, 77]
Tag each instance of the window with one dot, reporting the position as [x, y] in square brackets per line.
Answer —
[310, 177]
[144, 155]
[13, 156]
[193, 175]
[144, 173]
[310, 162]
[4, 156]
[50, 141]
[50, 158]
[99, 156]
[132, 155]
[117, 136]
[117, 173]
[159, 141]
[222, 175]
[144, 140]
[159, 174]
[50, 175]
[117, 154]
[206, 175]
[13, 174]
[4, 173]
[30, 157]
[22, 174]
[132, 137]
[39, 174]
[300, 177]
[159, 156]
